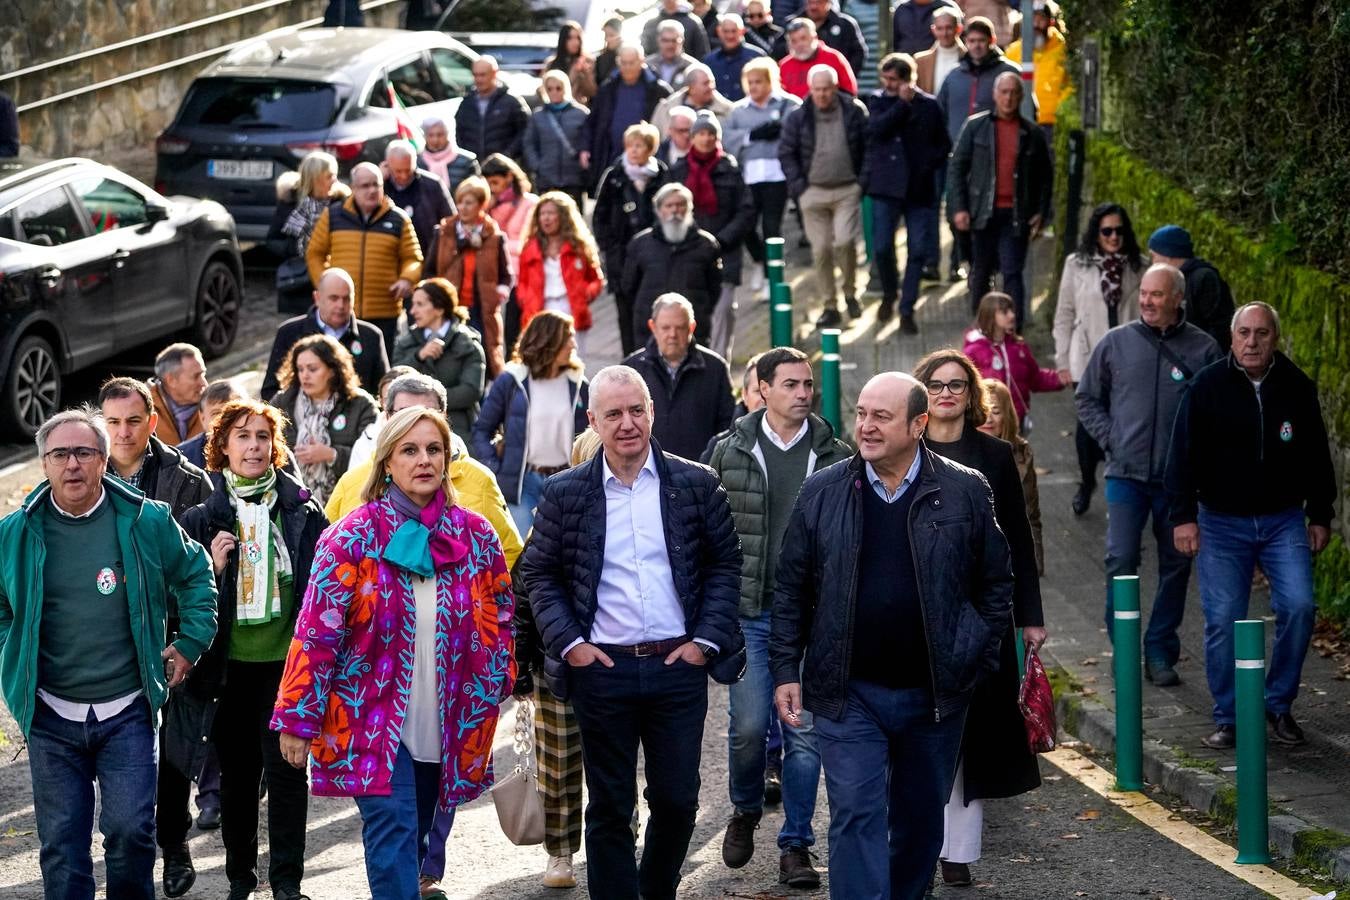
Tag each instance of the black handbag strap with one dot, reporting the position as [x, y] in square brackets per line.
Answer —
[1166, 351]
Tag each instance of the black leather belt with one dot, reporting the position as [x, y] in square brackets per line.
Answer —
[648, 648]
[546, 471]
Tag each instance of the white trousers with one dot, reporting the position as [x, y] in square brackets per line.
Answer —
[963, 826]
[723, 330]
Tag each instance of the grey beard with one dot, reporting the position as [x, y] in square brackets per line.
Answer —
[675, 232]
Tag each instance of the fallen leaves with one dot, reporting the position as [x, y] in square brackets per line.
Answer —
[1088, 815]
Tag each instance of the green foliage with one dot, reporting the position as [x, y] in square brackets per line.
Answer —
[1331, 581]
[1317, 847]
[1241, 105]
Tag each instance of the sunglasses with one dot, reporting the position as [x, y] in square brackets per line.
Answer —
[1112, 231]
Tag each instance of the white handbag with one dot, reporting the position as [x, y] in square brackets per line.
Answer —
[520, 809]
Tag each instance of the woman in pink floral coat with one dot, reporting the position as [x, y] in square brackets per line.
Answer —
[402, 653]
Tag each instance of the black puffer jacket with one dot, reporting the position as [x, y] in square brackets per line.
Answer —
[500, 130]
[562, 564]
[797, 144]
[621, 211]
[965, 582]
[735, 215]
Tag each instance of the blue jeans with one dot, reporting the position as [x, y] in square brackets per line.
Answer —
[640, 702]
[523, 512]
[751, 708]
[65, 759]
[394, 829]
[921, 223]
[1229, 547]
[889, 770]
[999, 245]
[1128, 504]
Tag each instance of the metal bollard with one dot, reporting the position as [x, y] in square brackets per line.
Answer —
[1249, 644]
[780, 315]
[867, 228]
[776, 272]
[829, 378]
[1129, 684]
[773, 248]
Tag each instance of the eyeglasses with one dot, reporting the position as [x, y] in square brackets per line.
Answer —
[1112, 231]
[957, 387]
[751, 17]
[62, 455]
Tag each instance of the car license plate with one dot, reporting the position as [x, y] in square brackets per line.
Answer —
[240, 169]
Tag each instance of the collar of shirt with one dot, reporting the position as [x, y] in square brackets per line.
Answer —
[608, 474]
[880, 486]
[778, 442]
[440, 332]
[102, 497]
[335, 333]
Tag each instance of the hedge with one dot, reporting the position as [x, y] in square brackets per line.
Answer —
[1314, 306]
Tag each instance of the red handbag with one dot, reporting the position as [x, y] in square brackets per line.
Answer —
[1037, 701]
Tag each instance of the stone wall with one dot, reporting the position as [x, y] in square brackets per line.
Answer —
[128, 116]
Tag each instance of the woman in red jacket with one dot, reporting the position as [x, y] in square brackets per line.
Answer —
[559, 265]
[1000, 353]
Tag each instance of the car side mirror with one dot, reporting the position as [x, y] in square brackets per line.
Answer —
[155, 213]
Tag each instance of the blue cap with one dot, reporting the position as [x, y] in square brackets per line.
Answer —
[1173, 241]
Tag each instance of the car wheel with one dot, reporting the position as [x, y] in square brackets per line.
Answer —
[219, 299]
[32, 388]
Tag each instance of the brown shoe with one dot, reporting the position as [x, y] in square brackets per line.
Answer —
[956, 874]
[795, 869]
[738, 845]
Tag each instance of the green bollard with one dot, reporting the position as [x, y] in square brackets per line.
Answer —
[867, 227]
[1249, 643]
[775, 271]
[829, 378]
[773, 248]
[1129, 684]
[780, 315]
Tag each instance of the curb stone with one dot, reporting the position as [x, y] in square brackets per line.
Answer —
[1091, 721]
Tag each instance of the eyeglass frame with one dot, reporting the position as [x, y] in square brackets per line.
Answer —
[53, 454]
[948, 386]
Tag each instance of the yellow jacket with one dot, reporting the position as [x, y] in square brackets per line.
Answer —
[475, 488]
[376, 252]
[1052, 81]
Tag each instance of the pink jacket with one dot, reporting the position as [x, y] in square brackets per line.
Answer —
[348, 674]
[1011, 362]
[513, 217]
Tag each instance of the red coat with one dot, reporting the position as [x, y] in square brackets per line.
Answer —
[793, 71]
[582, 279]
[1012, 364]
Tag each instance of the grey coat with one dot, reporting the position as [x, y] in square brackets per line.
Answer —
[550, 158]
[1129, 394]
[746, 117]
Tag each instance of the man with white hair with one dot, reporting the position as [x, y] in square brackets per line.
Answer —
[180, 378]
[695, 35]
[806, 51]
[491, 119]
[419, 193]
[670, 62]
[677, 256]
[678, 134]
[331, 314]
[374, 242]
[699, 94]
[821, 150]
[731, 55]
[634, 579]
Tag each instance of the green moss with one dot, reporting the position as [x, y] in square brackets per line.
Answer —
[1224, 808]
[1187, 761]
[1313, 848]
[1062, 681]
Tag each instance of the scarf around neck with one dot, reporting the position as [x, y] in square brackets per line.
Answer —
[311, 427]
[640, 175]
[700, 183]
[417, 544]
[264, 560]
[1113, 269]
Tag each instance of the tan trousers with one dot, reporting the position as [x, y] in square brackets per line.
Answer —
[832, 218]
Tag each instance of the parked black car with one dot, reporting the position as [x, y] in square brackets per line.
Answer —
[256, 113]
[92, 263]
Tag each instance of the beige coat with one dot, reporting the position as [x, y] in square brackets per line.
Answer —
[1081, 318]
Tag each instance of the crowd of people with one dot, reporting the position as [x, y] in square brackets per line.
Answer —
[433, 509]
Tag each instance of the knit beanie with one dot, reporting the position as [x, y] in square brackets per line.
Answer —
[1173, 241]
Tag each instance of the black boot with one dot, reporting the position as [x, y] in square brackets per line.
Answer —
[1083, 498]
[179, 874]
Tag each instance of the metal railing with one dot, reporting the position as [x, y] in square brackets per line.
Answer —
[165, 66]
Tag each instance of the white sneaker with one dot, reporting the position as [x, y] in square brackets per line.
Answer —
[756, 279]
[558, 873]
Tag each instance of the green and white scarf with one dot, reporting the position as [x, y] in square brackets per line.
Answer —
[264, 561]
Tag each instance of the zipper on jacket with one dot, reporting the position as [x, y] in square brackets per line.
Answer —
[853, 586]
[923, 610]
[1260, 420]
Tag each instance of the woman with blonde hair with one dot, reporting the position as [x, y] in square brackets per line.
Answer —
[403, 654]
[1002, 424]
[995, 760]
[260, 526]
[302, 196]
[470, 252]
[559, 265]
[553, 139]
[317, 188]
[532, 413]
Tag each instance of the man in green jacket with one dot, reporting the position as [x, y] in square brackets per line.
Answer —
[762, 462]
[90, 567]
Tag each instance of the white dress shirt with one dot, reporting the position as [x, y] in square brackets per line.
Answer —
[70, 710]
